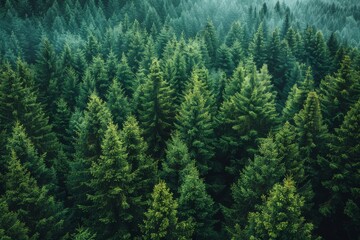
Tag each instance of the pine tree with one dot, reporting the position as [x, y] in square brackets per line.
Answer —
[225, 59]
[110, 184]
[126, 76]
[195, 124]
[235, 34]
[155, 109]
[34, 206]
[118, 103]
[10, 226]
[211, 40]
[176, 159]
[143, 167]
[98, 71]
[28, 111]
[92, 47]
[246, 116]
[256, 179]
[234, 84]
[343, 206]
[20, 144]
[257, 47]
[88, 150]
[195, 203]
[339, 92]
[136, 49]
[279, 217]
[161, 219]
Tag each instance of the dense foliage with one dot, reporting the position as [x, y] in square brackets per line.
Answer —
[179, 119]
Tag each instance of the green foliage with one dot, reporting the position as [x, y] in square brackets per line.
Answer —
[10, 226]
[195, 203]
[110, 184]
[279, 217]
[155, 109]
[195, 125]
[35, 207]
[161, 219]
[255, 180]
[246, 116]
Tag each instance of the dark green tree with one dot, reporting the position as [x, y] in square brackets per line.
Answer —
[118, 103]
[161, 219]
[195, 203]
[195, 125]
[257, 47]
[35, 207]
[225, 59]
[211, 40]
[10, 226]
[279, 217]
[110, 184]
[126, 76]
[155, 109]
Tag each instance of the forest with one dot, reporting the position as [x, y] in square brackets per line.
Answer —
[179, 119]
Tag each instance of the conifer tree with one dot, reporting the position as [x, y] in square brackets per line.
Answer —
[225, 59]
[241, 114]
[339, 92]
[142, 166]
[235, 34]
[126, 76]
[279, 217]
[234, 84]
[257, 47]
[34, 206]
[344, 153]
[195, 203]
[161, 219]
[28, 111]
[176, 159]
[136, 49]
[211, 40]
[98, 71]
[256, 179]
[118, 103]
[10, 226]
[155, 109]
[20, 144]
[110, 184]
[195, 125]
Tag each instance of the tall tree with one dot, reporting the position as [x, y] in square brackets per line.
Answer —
[195, 203]
[211, 40]
[110, 184]
[257, 47]
[155, 109]
[195, 125]
[246, 116]
[161, 219]
[279, 217]
[126, 76]
[35, 207]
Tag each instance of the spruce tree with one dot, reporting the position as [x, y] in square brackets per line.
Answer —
[126, 76]
[110, 184]
[195, 125]
[211, 40]
[118, 103]
[10, 226]
[176, 159]
[155, 109]
[35, 207]
[257, 47]
[225, 59]
[255, 180]
[279, 217]
[195, 203]
[246, 116]
[161, 219]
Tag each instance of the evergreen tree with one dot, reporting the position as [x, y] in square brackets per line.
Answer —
[118, 103]
[136, 49]
[110, 184]
[98, 71]
[225, 59]
[28, 111]
[10, 226]
[176, 159]
[126, 76]
[235, 34]
[257, 47]
[246, 116]
[256, 179]
[20, 144]
[339, 92]
[211, 40]
[279, 217]
[195, 125]
[155, 109]
[195, 203]
[35, 207]
[343, 205]
[234, 84]
[161, 219]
